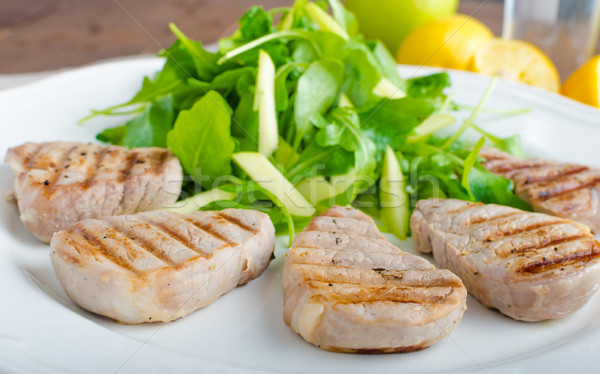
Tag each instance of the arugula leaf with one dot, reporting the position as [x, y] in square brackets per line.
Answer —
[429, 86]
[317, 90]
[390, 121]
[282, 94]
[469, 163]
[386, 63]
[255, 23]
[148, 129]
[353, 139]
[491, 188]
[113, 135]
[318, 160]
[361, 74]
[151, 127]
[511, 144]
[205, 62]
[201, 139]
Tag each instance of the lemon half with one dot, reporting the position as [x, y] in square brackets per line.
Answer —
[516, 60]
[584, 84]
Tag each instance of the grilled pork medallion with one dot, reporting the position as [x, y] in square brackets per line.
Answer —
[529, 266]
[347, 289]
[60, 183]
[160, 266]
[561, 189]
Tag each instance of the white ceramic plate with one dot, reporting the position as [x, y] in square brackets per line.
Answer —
[41, 330]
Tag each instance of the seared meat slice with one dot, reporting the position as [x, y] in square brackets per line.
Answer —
[160, 266]
[561, 189]
[347, 289]
[530, 266]
[60, 183]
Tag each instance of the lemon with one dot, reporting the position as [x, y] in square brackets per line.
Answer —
[584, 84]
[392, 20]
[448, 42]
[516, 60]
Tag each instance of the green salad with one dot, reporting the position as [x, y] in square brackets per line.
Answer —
[297, 112]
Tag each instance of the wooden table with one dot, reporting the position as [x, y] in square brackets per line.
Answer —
[40, 35]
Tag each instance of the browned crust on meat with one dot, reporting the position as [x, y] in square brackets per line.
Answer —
[237, 222]
[375, 351]
[37, 159]
[551, 190]
[579, 257]
[523, 229]
[516, 166]
[479, 220]
[94, 171]
[584, 247]
[571, 170]
[86, 240]
[51, 185]
[546, 242]
[465, 207]
[29, 161]
[208, 228]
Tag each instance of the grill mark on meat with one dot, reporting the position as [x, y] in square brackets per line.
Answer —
[464, 208]
[518, 166]
[344, 248]
[524, 229]
[492, 157]
[95, 245]
[547, 242]
[237, 222]
[53, 180]
[129, 164]
[162, 158]
[581, 257]
[91, 178]
[208, 229]
[546, 195]
[116, 231]
[350, 294]
[310, 273]
[529, 181]
[486, 219]
[124, 174]
[33, 158]
[183, 239]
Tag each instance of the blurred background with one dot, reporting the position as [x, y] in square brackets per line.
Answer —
[39, 35]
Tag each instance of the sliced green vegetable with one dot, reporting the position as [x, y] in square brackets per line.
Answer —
[268, 177]
[431, 124]
[316, 189]
[385, 88]
[264, 103]
[325, 21]
[194, 203]
[395, 205]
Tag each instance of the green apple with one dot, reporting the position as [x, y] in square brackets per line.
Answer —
[392, 20]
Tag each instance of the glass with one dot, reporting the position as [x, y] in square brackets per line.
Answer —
[566, 30]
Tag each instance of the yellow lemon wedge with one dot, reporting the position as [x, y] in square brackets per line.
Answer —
[584, 84]
[516, 60]
[448, 42]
